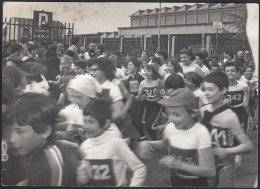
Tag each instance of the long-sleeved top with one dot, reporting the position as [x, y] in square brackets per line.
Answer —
[109, 157]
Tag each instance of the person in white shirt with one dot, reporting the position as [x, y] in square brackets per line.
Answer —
[91, 48]
[187, 64]
[99, 50]
[199, 59]
[106, 155]
[163, 55]
[190, 159]
[193, 82]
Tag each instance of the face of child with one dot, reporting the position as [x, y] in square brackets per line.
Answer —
[131, 68]
[188, 83]
[231, 72]
[92, 127]
[144, 56]
[249, 73]
[221, 66]
[179, 116]
[78, 70]
[78, 98]
[239, 75]
[185, 59]
[162, 59]
[156, 66]
[148, 73]
[198, 60]
[95, 72]
[34, 52]
[25, 140]
[214, 69]
[169, 68]
[212, 92]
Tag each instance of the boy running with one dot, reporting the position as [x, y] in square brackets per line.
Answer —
[108, 155]
[224, 127]
[190, 159]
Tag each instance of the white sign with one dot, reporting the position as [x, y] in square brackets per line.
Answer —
[217, 25]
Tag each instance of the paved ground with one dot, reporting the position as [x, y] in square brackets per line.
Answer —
[158, 176]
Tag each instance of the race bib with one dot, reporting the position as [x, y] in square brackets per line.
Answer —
[103, 172]
[235, 97]
[134, 86]
[151, 93]
[219, 137]
[188, 156]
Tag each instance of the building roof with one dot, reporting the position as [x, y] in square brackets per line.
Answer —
[186, 8]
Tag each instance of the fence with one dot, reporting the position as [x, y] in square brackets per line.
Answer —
[15, 28]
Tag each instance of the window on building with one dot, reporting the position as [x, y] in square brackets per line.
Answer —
[179, 19]
[202, 17]
[134, 22]
[162, 20]
[214, 16]
[190, 18]
[143, 22]
[151, 21]
[169, 20]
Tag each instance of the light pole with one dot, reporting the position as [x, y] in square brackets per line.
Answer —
[159, 32]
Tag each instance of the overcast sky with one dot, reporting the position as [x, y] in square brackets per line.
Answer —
[88, 17]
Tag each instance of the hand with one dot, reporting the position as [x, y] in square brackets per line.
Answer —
[144, 150]
[50, 82]
[58, 77]
[84, 173]
[171, 162]
[227, 101]
[220, 152]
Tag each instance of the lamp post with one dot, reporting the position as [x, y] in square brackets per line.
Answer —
[159, 32]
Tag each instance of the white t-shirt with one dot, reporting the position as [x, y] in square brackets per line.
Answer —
[109, 157]
[114, 91]
[187, 144]
[86, 56]
[238, 94]
[120, 74]
[162, 70]
[205, 70]
[201, 95]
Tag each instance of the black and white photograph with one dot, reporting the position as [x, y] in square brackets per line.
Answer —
[130, 94]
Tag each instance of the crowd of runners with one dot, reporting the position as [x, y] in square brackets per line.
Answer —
[64, 112]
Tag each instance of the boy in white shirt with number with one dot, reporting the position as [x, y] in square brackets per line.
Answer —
[107, 155]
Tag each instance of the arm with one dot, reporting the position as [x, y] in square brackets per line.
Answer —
[145, 148]
[138, 168]
[117, 107]
[126, 96]
[207, 170]
[140, 95]
[56, 83]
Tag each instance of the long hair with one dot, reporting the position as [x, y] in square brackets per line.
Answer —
[155, 74]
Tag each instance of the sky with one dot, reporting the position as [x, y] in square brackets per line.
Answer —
[88, 17]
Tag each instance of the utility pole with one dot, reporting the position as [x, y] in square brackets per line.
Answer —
[159, 33]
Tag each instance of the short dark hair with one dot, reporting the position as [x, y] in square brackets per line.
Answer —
[31, 47]
[106, 65]
[16, 48]
[135, 61]
[36, 110]
[218, 78]
[229, 64]
[100, 109]
[195, 78]
[157, 60]
[164, 53]
[69, 53]
[201, 55]
[174, 81]
[82, 64]
[187, 52]
[215, 64]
